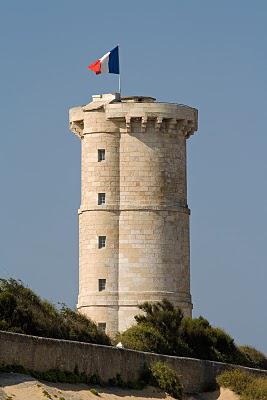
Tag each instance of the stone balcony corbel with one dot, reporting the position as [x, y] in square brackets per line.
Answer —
[186, 127]
[77, 128]
[190, 129]
[172, 124]
[158, 124]
[143, 124]
[128, 123]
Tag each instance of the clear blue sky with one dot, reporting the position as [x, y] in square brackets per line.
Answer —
[208, 54]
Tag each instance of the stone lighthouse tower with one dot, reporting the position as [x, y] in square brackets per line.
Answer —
[134, 218]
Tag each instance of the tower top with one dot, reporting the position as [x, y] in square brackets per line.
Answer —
[123, 112]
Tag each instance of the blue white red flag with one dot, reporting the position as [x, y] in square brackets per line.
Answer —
[108, 64]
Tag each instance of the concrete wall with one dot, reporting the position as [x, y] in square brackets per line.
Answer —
[42, 354]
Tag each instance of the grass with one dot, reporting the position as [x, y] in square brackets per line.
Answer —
[246, 385]
[46, 394]
[158, 375]
[94, 391]
[56, 375]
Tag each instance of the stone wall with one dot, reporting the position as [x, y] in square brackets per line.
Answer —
[42, 354]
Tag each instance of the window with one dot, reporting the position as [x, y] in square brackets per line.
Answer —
[101, 326]
[101, 198]
[101, 155]
[101, 242]
[101, 285]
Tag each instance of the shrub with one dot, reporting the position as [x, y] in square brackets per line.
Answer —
[94, 391]
[61, 376]
[144, 337]
[163, 316]
[196, 333]
[22, 311]
[257, 390]
[235, 380]
[248, 386]
[136, 385]
[166, 379]
[255, 357]
[46, 394]
[118, 381]
[94, 379]
[163, 329]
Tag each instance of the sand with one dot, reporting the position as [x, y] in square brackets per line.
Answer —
[24, 387]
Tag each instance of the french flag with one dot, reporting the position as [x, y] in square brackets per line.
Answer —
[108, 64]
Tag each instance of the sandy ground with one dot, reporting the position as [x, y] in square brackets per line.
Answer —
[24, 387]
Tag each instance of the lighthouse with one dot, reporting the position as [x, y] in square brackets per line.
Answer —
[134, 243]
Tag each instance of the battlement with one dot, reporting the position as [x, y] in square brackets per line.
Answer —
[136, 114]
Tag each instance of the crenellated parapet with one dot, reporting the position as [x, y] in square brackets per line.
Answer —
[132, 115]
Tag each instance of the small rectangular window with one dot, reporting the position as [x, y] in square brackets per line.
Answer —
[101, 284]
[101, 242]
[101, 198]
[101, 155]
[101, 326]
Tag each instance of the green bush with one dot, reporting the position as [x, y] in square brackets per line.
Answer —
[94, 391]
[255, 357]
[246, 385]
[210, 343]
[167, 321]
[144, 337]
[166, 379]
[157, 330]
[61, 376]
[161, 328]
[22, 311]
[235, 380]
[196, 333]
[94, 379]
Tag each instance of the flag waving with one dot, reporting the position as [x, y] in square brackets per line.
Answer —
[108, 64]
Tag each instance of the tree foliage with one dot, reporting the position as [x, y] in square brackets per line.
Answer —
[163, 329]
[22, 311]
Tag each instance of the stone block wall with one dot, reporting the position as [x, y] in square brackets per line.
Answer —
[42, 354]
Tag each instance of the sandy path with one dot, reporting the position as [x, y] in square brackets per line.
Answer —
[24, 387]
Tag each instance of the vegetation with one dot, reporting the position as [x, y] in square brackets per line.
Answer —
[52, 375]
[256, 358]
[74, 377]
[163, 329]
[247, 386]
[22, 311]
[166, 379]
[94, 391]
[158, 375]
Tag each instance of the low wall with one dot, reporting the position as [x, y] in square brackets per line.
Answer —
[42, 354]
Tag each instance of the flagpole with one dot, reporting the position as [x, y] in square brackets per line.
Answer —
[119, 72]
